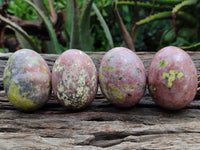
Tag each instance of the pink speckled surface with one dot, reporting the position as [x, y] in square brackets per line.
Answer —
[179, 92]
[122, 77]
[74, 79]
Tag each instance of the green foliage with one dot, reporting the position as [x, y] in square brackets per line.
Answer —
[177, 23]
[182, 4]
[86, 38]
[69, 17]
[23, 37]
[167, 15]
[166, 2]
[144, 5]
[6, 50]
[81, 29]
[75, 42]
[104, 26]
[92, 24]
[22, 10]
[41, 5]
[58, 5]
[48, 26]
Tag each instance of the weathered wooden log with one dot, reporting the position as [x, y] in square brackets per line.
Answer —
[96, 57]
[101, 125]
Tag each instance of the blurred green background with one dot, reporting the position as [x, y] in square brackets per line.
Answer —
[53, 26]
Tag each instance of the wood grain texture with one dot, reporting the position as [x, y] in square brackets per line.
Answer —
[101, 125]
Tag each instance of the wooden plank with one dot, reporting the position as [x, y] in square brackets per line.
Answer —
[96, 57]
[101, 125]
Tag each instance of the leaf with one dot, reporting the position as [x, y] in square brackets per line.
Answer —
[4, 50]
[166, 2]
[136, 18]
[144, 5]
[49, 27]
[193, 47]
[104, 25]
[69, 16]
[83, 6]
[126, 36]
[157, 16]
[189, 19]
[24, 38]
[23, 42]
[41, 5]
[86, 38]
[1, 3]
[184, 3]
[75, 30]
[53, 12]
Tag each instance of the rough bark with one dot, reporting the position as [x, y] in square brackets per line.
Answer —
[101, 125]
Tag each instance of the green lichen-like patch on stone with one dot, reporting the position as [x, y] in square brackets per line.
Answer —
[109, 68]
[152, 88]
[180, 75]
[173, 71]
[111, 57]
[171, 77]
[165, 75]
[112, 86]
[100, 76]
[18, 99]
[66, 93]
[45, 69]
[132, 87]
[163, 63]
[124, 87]
[138, 70]
[58, 66]
[33, 60]
[6, 77]
[117, 94]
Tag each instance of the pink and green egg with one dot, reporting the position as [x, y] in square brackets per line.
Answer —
[74, 79]
[122, 77]
[172, 78]
[27, 80]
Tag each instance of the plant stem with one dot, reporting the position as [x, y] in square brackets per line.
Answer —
[104, 25]
[125, 34]
[168, 15]
[75, 33]
[49, 27]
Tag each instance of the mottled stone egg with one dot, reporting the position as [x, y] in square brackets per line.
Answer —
[122, 77]
[27, 80]
[74, 79]
[172, 78]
